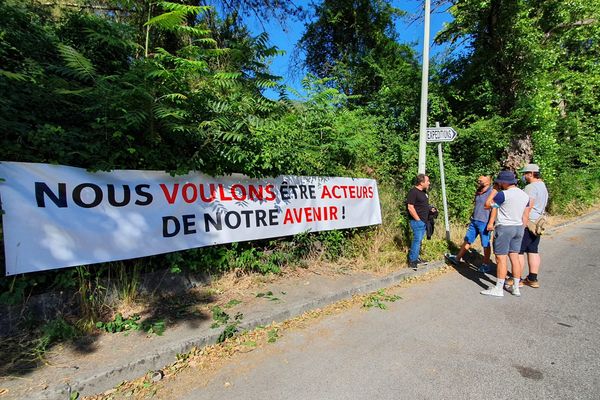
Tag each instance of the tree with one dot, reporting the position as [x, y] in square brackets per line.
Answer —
[523, 60]
[76, 95]
[346, 40]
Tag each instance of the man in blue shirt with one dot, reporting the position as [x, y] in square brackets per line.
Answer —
[477, 226]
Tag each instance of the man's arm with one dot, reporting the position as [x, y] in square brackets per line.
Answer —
[527, 211]
[490, 199]
[492, 220]
[413, 212]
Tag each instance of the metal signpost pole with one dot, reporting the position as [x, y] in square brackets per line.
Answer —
[444, 199]
[424, 88]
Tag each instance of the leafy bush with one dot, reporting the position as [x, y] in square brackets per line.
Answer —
[55, 331]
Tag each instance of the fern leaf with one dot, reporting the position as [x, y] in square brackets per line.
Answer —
[228, 75]
[79, 65]
[135, 118]
[162, 112]
[13, 75]
[158, 73]
[262, 39]
[167, 21]
[174, 96]
[217, 52]
[195, 31]
[79, 92]
[265, 83]
[184, 8]
[207, 42]
[108, 40]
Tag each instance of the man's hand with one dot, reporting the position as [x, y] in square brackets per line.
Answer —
[490, 227]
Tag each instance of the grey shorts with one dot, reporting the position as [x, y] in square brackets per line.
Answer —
[507, 239]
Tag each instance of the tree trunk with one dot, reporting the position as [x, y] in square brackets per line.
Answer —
[519, 153]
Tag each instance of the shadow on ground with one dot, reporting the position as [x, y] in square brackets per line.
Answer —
[26, 349]
[468, 268]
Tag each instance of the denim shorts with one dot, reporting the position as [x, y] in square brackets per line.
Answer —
[507, 239]
[478, 228]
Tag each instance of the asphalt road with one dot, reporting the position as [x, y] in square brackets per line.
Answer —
[442, 340]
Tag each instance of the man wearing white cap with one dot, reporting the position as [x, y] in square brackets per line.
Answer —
[538, 195]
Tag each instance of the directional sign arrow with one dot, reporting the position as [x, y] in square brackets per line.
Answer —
[441, 134]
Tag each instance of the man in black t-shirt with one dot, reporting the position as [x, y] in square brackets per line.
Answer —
[417, 203]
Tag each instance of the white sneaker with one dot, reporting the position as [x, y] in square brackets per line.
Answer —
[493, 291]
[514, 290]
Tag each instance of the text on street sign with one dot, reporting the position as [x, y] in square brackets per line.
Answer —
[440, 134]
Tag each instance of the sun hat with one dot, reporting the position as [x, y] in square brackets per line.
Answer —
[530, 168]
[506, 177]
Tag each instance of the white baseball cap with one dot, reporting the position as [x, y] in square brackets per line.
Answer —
[530, 168]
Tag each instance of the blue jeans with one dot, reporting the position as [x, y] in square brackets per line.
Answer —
[418, 229]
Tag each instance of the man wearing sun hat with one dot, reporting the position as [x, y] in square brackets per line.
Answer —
[513, 213]
[538, 196]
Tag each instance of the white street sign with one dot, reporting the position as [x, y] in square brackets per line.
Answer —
[440, 134]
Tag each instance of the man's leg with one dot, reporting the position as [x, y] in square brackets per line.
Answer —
[513, 287]
[533, 257]
[485, 237]
[501, 247]
[463, 249]
[498, 290]
[516, 265]
[487, 252]
[534, 261]
[501, 267]
[418, 229]
[522, 261]
[516, 244]
[529, 245]
[470, 237]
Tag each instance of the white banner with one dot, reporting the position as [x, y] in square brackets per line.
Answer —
[57, 216]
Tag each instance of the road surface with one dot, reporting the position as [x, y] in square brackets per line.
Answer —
[442, 340]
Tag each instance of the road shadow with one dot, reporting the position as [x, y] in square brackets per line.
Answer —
[168, 311]
[27, 347]
[468, 268]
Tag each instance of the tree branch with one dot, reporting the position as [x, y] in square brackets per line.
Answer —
[82, 6]
[583, 22]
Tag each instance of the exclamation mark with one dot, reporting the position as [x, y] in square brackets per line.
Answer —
[343, 212]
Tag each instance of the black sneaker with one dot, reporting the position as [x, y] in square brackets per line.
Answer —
[413, 265]
[419, 261]
[452, 259]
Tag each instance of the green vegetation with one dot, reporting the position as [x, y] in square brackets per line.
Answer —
[272, 335]
[133, 323]
[178, 87]
[268, 295]
[379, 298]
[221, 318]
[56, 331]
[120, 324]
